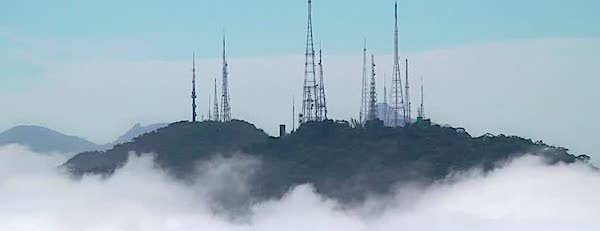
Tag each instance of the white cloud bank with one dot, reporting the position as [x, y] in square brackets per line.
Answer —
[523, 195]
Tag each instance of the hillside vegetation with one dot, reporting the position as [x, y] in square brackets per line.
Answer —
[342, 161]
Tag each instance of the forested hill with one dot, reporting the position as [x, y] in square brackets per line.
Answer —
[342, 161]
[177, 146]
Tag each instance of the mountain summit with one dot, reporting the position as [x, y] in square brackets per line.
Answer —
[342, 161]
[137, 130]
[45, 140]
[41, 139]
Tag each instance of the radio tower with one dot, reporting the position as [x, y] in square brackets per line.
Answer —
[225, 107]
[322, 103]
[373, 93]
[407, 119]
[385, 100]
[216, 105]
[293, 113]
[194, 88]
[364, 106]
[397, 95]
[421, 115]
[309, 109]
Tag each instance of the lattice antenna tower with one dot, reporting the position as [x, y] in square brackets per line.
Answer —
[422, 106]
[397, 94]
[194, 115]
[225, 100]
[309, 98]
[364, 106]
[373, 92]
[407, 104]
[322, 104]
[293, 113]
[216, 116]
[385, 100]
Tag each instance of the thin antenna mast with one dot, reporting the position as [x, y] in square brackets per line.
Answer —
[373, 93]
[216, 105]
[309, 107]
[293, 113]
[397, 94]
[407, 119]
[385, 100]
[322, 101]
[364, 106]
[422, 107]
[225, 107]
[194, 88]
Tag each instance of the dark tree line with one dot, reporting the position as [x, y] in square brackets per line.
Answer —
[343, 160]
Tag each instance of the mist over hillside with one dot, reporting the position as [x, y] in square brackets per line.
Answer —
[521, 194]
[341, 161]
[512, 84]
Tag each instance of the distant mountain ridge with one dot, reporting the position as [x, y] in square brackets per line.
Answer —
[45, 140]
[41, 139]
[136, 131]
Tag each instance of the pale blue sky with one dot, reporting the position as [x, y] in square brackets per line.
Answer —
[79, 59]
[272, 26]
[171, 29]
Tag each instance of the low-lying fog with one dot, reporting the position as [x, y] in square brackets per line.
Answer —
[522, 195]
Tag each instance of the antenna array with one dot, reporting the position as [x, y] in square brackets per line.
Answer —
[225, 106]
[373, 93]
[397, 94]
[194, 88]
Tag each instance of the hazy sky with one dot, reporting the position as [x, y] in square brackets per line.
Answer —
[95, 68]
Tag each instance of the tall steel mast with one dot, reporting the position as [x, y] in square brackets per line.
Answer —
[293, 113]
[364, 106]
[397, 94]
[385, 100]
[309, 107]
[322, 103]
[194, 88]
[373, 93]
[407, 109]
[422, 107]
[216, 116]
[225, 100]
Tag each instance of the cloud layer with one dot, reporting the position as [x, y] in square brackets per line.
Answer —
[523, 195]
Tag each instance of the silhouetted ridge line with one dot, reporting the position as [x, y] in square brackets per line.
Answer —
[343, 161]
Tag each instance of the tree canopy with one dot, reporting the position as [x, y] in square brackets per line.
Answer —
[343, 160]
